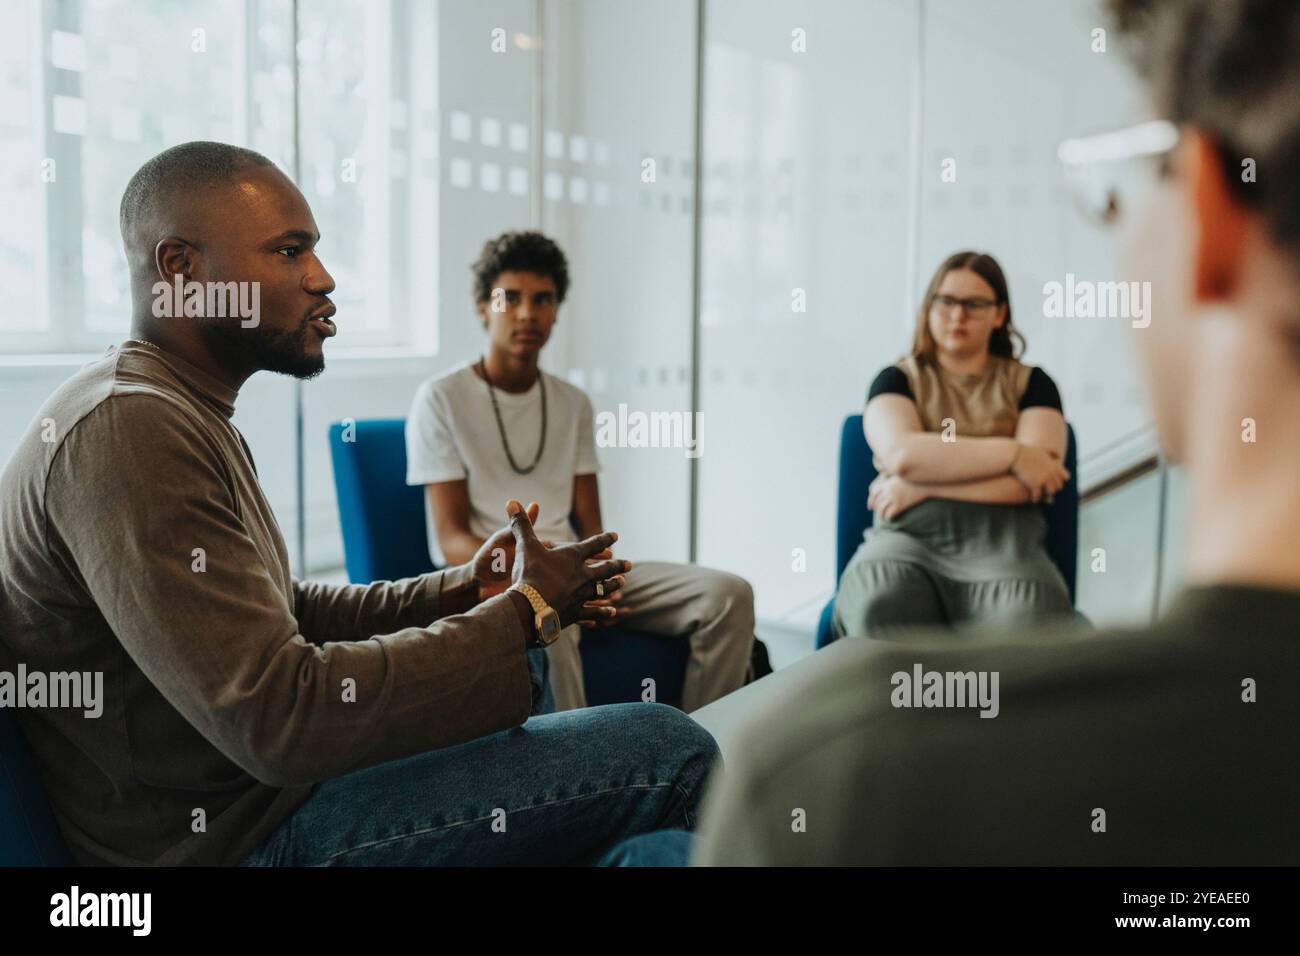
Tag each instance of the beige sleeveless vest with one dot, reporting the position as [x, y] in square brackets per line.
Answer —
[981, 406]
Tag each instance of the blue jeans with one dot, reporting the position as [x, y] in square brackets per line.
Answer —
[661, 848]
[560, 789]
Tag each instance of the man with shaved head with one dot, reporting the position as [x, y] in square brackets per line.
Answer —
[179, 214]
[248, 717]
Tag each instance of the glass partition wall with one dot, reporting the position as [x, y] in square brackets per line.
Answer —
[751, 193]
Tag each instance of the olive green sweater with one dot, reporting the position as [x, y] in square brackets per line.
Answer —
[1174, 745]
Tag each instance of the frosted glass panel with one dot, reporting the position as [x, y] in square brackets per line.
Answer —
[849, 148]
[804, 270]
[619, 145]
[1005, 82]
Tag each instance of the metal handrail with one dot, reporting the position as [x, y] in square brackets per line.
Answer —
[1118, 480]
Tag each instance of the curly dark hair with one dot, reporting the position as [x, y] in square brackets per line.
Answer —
[1229, 67]
[522, 251]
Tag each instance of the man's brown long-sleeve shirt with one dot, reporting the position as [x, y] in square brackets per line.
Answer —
[136, 541]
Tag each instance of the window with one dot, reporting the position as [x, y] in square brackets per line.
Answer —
[25, 319]
[369, 134]
[92, 89]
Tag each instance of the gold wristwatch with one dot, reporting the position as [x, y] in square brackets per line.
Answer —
[545, 618]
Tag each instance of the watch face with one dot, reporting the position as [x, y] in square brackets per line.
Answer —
[548, 626]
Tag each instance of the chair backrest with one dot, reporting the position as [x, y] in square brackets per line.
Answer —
[857, 472]
[28, 834]
[1063, 518]
[384, 532]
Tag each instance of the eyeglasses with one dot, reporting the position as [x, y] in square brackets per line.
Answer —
[1107, 171]
[973, 307]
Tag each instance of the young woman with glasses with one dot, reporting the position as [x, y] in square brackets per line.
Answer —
[968, 441]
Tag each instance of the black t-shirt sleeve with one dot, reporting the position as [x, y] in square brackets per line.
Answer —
[891, 381]
[1041, 392]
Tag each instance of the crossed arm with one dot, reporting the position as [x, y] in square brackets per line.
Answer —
[917, 464]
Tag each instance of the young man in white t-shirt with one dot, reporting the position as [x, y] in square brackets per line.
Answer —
[501, 428]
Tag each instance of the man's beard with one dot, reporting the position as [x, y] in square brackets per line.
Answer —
[265, 348]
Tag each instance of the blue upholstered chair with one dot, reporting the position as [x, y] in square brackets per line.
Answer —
[852, 519]
[28, 834]
[385, 538]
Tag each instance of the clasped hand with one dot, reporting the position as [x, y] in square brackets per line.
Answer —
[889, 496]
[1040, 471]
[565, 575]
